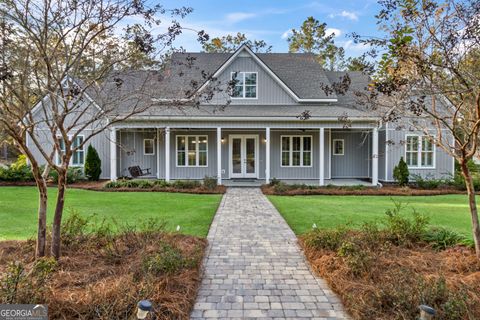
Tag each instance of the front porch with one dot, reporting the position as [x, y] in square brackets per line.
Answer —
[249, 156]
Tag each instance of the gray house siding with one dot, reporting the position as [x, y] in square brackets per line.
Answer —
[130, 151]
[356, 161]
[177, 172]
[444, 163]
[269, 91]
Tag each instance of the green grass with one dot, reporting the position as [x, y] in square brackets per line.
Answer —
[449, 211]
[194, 213]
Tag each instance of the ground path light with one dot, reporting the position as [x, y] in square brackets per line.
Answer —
[143, 308]
[426, 312]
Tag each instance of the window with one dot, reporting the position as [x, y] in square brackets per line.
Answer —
[148, 147]
[192, 151]
[296, 151]
[419, 152]
[78, 157]
[245, 85]
[338, 147]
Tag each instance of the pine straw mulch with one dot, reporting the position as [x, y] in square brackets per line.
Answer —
[104, 279]
[100, 186]
[346, 190]
[399, 279]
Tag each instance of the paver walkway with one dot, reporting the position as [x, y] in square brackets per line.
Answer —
[254, 267]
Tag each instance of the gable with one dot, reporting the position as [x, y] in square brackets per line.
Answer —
[269, 92]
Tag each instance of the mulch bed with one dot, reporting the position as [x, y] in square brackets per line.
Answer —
[104, 279]
[99, 186]
[384, 191]
[403, 278]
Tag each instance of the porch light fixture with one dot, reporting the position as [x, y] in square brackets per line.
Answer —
[222, 139]
[143, 308]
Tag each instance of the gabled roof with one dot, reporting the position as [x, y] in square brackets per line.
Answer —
[299, 74]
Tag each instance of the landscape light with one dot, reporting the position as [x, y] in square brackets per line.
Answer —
[143, 308]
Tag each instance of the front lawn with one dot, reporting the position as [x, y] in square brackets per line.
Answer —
[450, 211]
[194, 213]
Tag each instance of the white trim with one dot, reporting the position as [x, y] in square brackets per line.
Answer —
[375, 157]
[244, 173]
[244, 85]
[158, 153]
[113, 154]
[197, 150]
[322, 157]
[290, 151]
[219, 155]
[167, 154]
[330, 153]
[57, 159]
[153, 147]
[267, 156]
[343, 147]
[386, 150]
[267, 69]
[419, 152]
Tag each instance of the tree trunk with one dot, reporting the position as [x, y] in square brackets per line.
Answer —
[42, 219]
[57, 218]
[473, 206]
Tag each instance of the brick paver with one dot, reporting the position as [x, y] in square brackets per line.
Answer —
[254, 267]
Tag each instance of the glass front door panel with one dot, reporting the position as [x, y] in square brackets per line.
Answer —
[250, 155]
[237, 155]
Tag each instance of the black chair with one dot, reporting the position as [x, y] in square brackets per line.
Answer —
[136, 171]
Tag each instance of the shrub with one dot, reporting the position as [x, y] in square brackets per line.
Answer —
[74, 228]
[93, 164]
[210, 183]
[402, 230]
[441, 238]
[74, 174]
[274, 182]
[186, 184]
[358, 259]
[330, 239]
[167, 261]
[428, 182]
[17, 171]
[401, 173]
[280, 187]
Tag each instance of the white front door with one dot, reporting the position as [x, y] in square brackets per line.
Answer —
[243, 156]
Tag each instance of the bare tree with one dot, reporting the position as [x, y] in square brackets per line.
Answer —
[73, 59]
[429, 78]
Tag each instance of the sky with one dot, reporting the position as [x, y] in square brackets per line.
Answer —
[272, 20]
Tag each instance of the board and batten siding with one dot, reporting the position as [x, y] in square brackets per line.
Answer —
[130, 151]
[444, 163]
[356, 161]
[269, 91]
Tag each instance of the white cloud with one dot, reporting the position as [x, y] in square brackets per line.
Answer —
[286, 34]
[235, 17]
[335, 31]
[355, 47]
[345, 14]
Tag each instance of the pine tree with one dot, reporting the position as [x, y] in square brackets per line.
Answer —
[93, 164]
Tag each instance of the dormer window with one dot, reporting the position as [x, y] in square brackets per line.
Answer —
[245, 85]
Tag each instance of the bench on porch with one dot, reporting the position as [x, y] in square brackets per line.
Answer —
[136, 171]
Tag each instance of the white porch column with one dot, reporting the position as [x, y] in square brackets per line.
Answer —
[219, 155]
[113, 154]
[267, 156]
[375, 156]
[167, 154]
[321, 156]
[158, 153]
